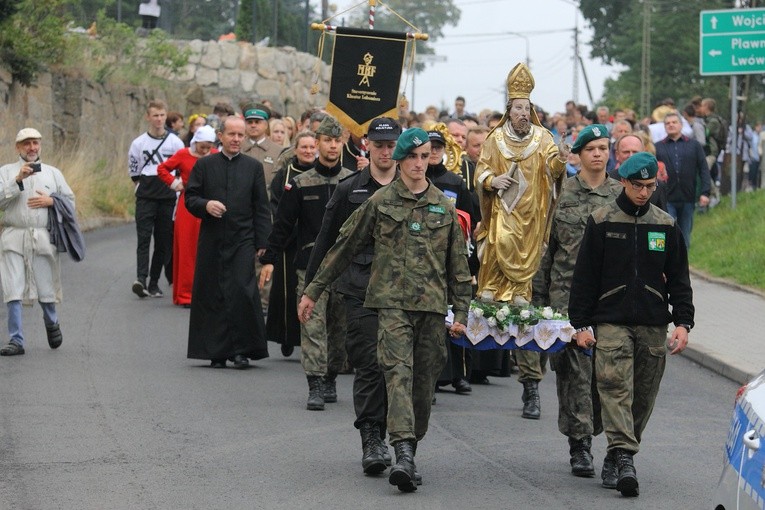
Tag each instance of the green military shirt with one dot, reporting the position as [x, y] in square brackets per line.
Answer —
[577, 201]
[420, 258]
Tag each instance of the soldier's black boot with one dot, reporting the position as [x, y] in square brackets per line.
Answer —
[402, 472]
[330, 388]
[315, 393]
[627, 483]
[417, 475]
[530, 397]
[610, 471]
[372, 460]
[384, 451]
[581, 458]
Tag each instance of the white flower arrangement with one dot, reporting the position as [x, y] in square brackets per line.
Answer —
[501, 315]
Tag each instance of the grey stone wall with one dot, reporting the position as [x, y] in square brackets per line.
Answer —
[238, 72]
[67, 108]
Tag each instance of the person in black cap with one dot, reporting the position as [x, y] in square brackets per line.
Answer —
[456, 371]
[632, 265]
[369, 397]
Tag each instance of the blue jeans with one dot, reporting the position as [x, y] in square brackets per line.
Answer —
[15, 329]
[683, 213]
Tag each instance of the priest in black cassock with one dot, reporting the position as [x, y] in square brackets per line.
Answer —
[228, 192]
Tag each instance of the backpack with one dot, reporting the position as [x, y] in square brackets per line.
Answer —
[720, 135]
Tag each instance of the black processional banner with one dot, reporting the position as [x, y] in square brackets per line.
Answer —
[366, 74]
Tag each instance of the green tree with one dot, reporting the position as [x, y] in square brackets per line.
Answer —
[290, 28]
[430, 16]
[32, 36]
[7, 8]
[617, 38]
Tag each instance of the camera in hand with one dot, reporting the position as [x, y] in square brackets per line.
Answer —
[36, 167]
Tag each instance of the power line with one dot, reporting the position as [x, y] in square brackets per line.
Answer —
[528, 33]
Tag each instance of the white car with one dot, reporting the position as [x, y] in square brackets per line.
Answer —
[742, 483]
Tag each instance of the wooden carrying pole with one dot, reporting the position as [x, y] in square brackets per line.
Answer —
[417, 36]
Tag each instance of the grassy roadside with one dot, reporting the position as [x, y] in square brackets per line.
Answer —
[730, 243]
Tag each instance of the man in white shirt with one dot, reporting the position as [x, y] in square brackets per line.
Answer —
[29, 264]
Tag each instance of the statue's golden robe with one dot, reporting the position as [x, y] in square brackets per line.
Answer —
[514, 223]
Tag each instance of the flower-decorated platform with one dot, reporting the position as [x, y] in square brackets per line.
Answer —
[503, 326]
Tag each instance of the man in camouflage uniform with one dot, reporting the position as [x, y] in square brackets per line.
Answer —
[301, 208]
[419, 267]
[369, 399]
[631, 265]
[586, 191]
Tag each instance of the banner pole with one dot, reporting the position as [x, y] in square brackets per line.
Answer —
[372, 6]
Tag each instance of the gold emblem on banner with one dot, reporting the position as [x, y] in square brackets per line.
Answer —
[366, 70]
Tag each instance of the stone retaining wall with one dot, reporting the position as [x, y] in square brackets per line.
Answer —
[67, 108]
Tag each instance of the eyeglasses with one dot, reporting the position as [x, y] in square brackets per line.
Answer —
[638, 186]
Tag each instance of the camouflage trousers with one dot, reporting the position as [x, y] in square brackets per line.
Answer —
[578, 399]
[531, 365]
[322, 339]
[411, 350]
[629, 364]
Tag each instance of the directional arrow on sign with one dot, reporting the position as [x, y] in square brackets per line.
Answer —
[731, 42]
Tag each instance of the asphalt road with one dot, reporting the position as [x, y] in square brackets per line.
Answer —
[119, 418]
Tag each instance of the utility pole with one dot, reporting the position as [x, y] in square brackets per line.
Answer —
[645, 72]
[575, 89]
[254, 18]
[275, 30]
[305, 21]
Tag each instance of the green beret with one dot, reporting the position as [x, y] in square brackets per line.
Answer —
[409, 140]
[330, 127]
[642, 165]
[588, 134]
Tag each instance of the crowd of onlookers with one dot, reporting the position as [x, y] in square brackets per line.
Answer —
[699, 121]
[567, 124]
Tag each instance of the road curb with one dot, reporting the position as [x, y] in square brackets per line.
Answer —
[723, 281]
[709, 359]
[99, 222]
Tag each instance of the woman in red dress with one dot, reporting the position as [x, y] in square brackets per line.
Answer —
[186, 226]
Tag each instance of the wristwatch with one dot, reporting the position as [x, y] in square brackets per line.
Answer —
[686, 326]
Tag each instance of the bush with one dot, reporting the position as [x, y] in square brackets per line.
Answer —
[33, 37]
[118, 52]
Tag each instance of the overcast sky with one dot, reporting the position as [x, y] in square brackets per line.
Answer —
[480, 52]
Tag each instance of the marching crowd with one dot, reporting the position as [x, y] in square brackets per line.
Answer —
[296, 231]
